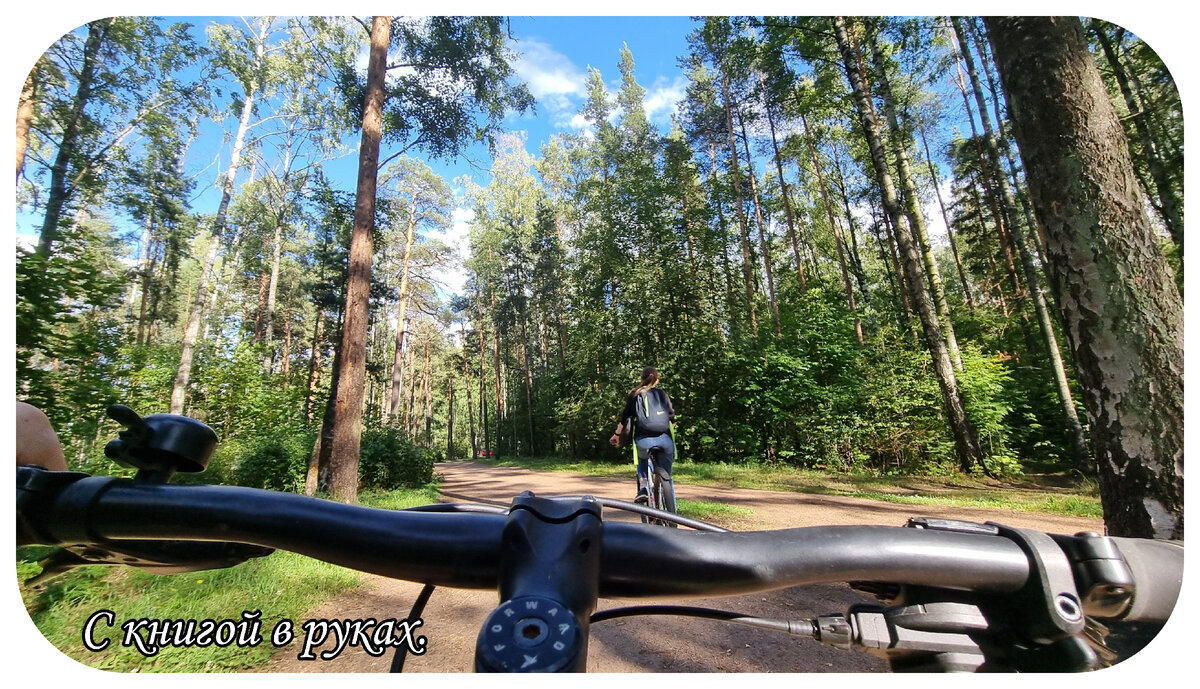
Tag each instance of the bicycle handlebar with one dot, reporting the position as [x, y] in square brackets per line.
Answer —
[463, 550]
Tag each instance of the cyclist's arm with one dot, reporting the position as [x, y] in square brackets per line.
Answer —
[624, 418]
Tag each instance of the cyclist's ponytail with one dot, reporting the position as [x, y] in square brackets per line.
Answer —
[649, 380]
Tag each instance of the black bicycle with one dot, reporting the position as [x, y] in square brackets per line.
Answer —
[661, 491]
[952, 595]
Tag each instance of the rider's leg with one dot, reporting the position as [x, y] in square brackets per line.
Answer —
[643, 475]
[666, 459]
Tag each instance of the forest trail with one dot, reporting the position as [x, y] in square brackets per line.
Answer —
[646, 644]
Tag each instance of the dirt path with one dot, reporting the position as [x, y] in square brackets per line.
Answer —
[641, 644]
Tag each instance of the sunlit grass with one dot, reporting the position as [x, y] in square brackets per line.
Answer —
[728, 516]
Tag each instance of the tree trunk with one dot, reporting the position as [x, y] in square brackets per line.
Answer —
[196, 314]
[965, 440]
[916, 217]
[783, 191]
[747, 262]
[273, 286]
[450, 419]
[319, 461]
[764, 246]
[146, 252]
[1123, 313]
[715, 183]
[470, 403]
[57, 196]
[500, 410]
[347, 431]
[1079, 447]
[483, 409]
[1002, 138]
[397, 364]
[25, 108]
[314, 366]
[427, 391]
[962, 276]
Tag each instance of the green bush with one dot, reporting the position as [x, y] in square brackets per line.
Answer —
[274, 461]
[388, 461]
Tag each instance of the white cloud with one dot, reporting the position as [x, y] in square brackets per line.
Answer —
[551, 76]
[662, 99]
[579, 122]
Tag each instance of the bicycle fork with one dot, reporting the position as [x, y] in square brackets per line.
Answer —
[549, 583]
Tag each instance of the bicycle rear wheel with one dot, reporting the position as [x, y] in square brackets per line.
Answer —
[664, 499]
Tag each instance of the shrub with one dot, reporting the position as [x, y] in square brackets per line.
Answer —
[275, 461]
[388, 461]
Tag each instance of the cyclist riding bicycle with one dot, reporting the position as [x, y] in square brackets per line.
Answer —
[648, 409]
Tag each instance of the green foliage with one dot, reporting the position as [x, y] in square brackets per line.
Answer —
[985, 383]
[277, 460]
[387, 460]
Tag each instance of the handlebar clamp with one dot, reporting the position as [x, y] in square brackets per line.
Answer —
[549, 584]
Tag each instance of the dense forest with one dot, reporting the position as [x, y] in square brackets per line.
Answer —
[776, 253]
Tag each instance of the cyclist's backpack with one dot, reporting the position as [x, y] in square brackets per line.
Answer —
[652, 414]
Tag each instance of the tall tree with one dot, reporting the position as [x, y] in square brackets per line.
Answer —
[125, 71]
[1123, 313]
[426, 199]
[1032, 280]
[455, 90]
[965, 438]
[347, 429]
[900, 141]
[249, 70]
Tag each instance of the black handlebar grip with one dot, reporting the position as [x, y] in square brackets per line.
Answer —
[1157, 568]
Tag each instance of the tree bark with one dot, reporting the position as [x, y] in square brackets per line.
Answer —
[347, 431]
[965, 440]
[1122, 311]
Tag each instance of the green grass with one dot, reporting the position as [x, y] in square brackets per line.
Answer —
[281, 586]
[728, 516]
[1029, 494]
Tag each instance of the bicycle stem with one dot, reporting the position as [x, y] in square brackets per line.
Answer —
[549, 583]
